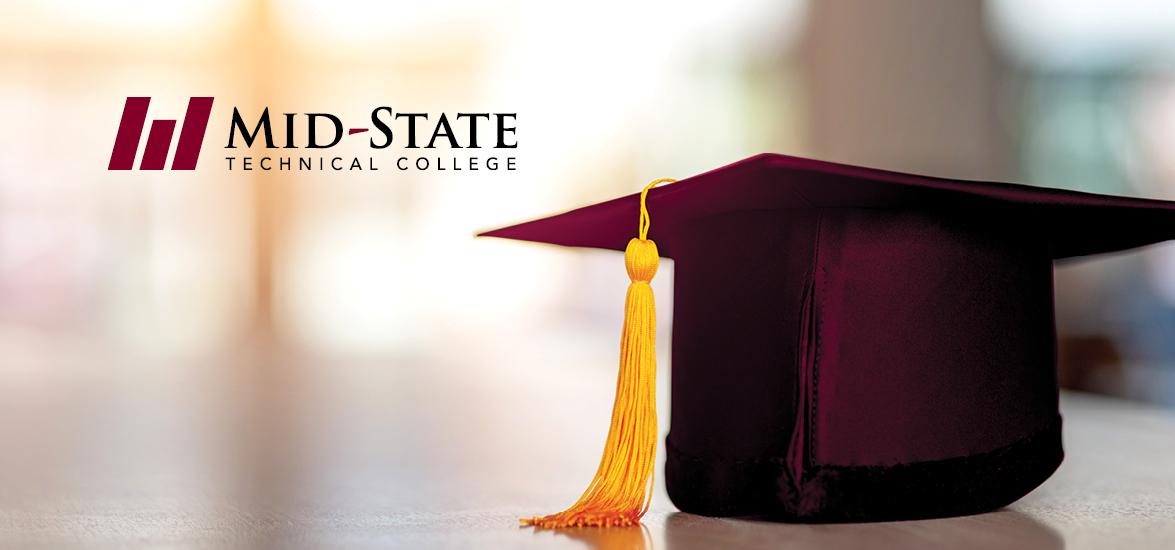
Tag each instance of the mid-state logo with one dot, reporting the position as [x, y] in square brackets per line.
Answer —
[130, 130]
[454, 135]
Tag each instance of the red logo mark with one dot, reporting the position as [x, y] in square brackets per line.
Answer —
[130, 129]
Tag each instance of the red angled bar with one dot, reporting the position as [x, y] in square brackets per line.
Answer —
[158, 142]
[187, 150]
[126, 142]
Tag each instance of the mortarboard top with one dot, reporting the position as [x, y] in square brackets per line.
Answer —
[1076, 223]
[858, 344]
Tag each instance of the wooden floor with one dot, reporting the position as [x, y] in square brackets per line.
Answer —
[370, 457]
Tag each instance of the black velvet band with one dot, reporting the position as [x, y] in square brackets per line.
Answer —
[952, 487]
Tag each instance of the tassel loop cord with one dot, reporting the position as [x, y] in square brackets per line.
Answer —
[645, 221]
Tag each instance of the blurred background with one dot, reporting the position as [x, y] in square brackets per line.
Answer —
[167, 337]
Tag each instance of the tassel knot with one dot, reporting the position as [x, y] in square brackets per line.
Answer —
[641, 260]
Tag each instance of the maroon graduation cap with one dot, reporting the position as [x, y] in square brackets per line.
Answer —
[852, 344]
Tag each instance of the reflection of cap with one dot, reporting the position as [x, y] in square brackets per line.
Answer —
[857, 344]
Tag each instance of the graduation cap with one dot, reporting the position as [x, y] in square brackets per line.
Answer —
[849, 344]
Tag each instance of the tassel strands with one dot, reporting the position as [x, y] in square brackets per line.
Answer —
[620, 493]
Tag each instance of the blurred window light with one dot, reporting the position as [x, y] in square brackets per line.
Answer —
[1083, 34]
[155, 263]
[1161, 268]
[59, 22]
[343, 286]
[1076, 133]
[365, 21]
[657, 24]
[1155, 117]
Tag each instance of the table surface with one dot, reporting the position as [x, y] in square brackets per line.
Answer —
[417, 458]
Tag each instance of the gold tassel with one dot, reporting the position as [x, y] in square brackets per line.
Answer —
[620, 493]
